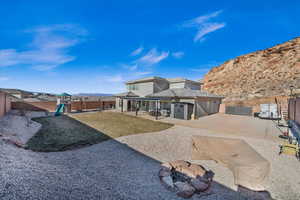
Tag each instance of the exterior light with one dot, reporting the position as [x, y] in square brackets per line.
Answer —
[291, 89]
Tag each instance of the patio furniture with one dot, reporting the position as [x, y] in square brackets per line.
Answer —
[290, 149]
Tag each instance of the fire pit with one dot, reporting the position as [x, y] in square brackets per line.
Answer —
[185, 178]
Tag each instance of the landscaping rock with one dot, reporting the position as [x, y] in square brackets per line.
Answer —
[204, 179]
[197, 170]
[166, 165]
[167, 182]
[199, 185]
[179, 164]
[192, 171]
[209, 175]
[184, 190]
[185, 178]
[164, 172]
[18, 129]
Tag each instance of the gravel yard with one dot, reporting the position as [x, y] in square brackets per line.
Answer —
[126, 168]
[109, 170]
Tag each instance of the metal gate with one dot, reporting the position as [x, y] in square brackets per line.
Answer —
[179, 111]
[238, 110]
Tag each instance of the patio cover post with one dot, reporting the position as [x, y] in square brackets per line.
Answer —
[194, 109]
[121, 104]
[136, 108]
[156, 109]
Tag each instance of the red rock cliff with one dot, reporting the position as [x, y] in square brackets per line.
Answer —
[264, 73]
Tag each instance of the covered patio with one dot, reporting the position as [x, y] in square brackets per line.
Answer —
[177, 103]
[154, 106]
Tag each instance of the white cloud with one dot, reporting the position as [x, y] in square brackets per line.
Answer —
[153, 57]
[8, 57]
[114, 78]
[206, 29]
[138, 51]
[142, 73]
[49, 47]
[131, 67]
[201, 19]
[178, 54]
[204, 25]
[3, 78]
[44, 67]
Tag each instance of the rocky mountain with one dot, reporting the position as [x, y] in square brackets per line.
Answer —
[261, 74]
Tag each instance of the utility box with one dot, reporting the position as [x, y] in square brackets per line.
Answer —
[269, 111]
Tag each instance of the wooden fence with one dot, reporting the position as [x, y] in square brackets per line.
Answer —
[50, 106]
[35, 106]
[5, 104]
[294, 110]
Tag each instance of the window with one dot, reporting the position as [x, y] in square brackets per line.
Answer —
[132, 87]
[136, 87]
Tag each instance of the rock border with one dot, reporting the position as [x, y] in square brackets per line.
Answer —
[185, 178]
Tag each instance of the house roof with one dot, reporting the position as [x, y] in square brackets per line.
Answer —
[144, 79]
[94, 98]
[184, 93]
[14, 91]
[126, 94]
[179, 80]
[170, 80]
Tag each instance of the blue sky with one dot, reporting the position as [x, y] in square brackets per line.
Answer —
[95, 46]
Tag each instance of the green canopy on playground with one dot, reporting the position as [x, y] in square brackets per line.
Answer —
[64, 95]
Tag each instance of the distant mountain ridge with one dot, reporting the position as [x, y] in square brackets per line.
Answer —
[93, 94]
[260, 74]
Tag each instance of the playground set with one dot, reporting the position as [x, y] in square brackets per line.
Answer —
[63, 104]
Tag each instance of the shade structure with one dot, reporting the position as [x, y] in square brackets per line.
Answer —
[249, 168]
[64, 95]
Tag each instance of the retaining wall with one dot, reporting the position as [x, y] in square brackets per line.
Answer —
[5, 104]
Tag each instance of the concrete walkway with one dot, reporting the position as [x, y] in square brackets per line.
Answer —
[233, 125]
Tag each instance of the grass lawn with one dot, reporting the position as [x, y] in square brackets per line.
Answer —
[69, 132]
[116, 124]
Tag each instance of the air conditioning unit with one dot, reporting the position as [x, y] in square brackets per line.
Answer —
[269, 111]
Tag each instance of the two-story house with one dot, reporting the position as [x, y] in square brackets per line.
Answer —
[177, 97]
